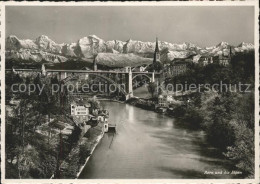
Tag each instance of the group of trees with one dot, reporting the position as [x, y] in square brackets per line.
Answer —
[35, 146]
[28, 153]
[227, 117]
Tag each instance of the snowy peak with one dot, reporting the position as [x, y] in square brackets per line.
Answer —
[45, 43]
[12, 42]
[115, 45]
[94, 37]
[223, 44]
[69, 49]
[90, 45]
[246, 45]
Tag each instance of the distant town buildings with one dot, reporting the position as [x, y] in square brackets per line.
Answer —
[178, 66]
[222, 59]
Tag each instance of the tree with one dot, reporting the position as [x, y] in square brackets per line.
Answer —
[95, 104]
[152, 88]
[17, 79]
[219, 131]
[158, 66]
[242, 152]
[28, 160]
[197, 100]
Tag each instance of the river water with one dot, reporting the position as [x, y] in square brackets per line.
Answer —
[150, 145]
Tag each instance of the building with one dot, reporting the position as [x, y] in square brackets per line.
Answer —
[103, 117]
[205, 60]
[62, 75]
[156, 55]
[164, 100]
[141, 68]
[86, 75]
[225, 58]
[81, 111]
[104, 120]
[128, 69]
[177, 67]
[106, 126]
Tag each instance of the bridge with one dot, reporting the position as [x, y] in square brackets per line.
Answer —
[114, 77]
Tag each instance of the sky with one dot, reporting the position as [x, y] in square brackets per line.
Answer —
[205, 26]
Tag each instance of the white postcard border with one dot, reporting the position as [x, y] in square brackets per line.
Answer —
[254, 3]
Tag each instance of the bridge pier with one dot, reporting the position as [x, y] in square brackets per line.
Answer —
[62, 75]
[130, 85]
[59, 76]
[152, 80]
[43, 70]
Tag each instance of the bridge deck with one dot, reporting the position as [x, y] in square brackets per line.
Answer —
[78, 71]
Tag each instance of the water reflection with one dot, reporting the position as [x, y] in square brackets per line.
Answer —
[130, 110]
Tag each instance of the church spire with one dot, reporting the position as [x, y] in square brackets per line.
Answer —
[156, 45]
[156, 57]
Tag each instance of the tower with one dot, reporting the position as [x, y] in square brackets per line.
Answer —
[156, 56]
[95, 63]
[43, 70]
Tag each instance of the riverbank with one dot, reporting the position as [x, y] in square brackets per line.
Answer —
[91, 151]
[142, 103]
[109, 99]
[73, 165]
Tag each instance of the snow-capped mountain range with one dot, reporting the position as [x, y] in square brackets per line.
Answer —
[43, 48]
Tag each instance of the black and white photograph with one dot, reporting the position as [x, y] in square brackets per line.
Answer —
[130, 91]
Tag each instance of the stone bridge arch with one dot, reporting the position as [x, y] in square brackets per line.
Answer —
[144, 75]
[76, 76]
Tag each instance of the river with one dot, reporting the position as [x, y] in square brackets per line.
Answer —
[150, 145]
